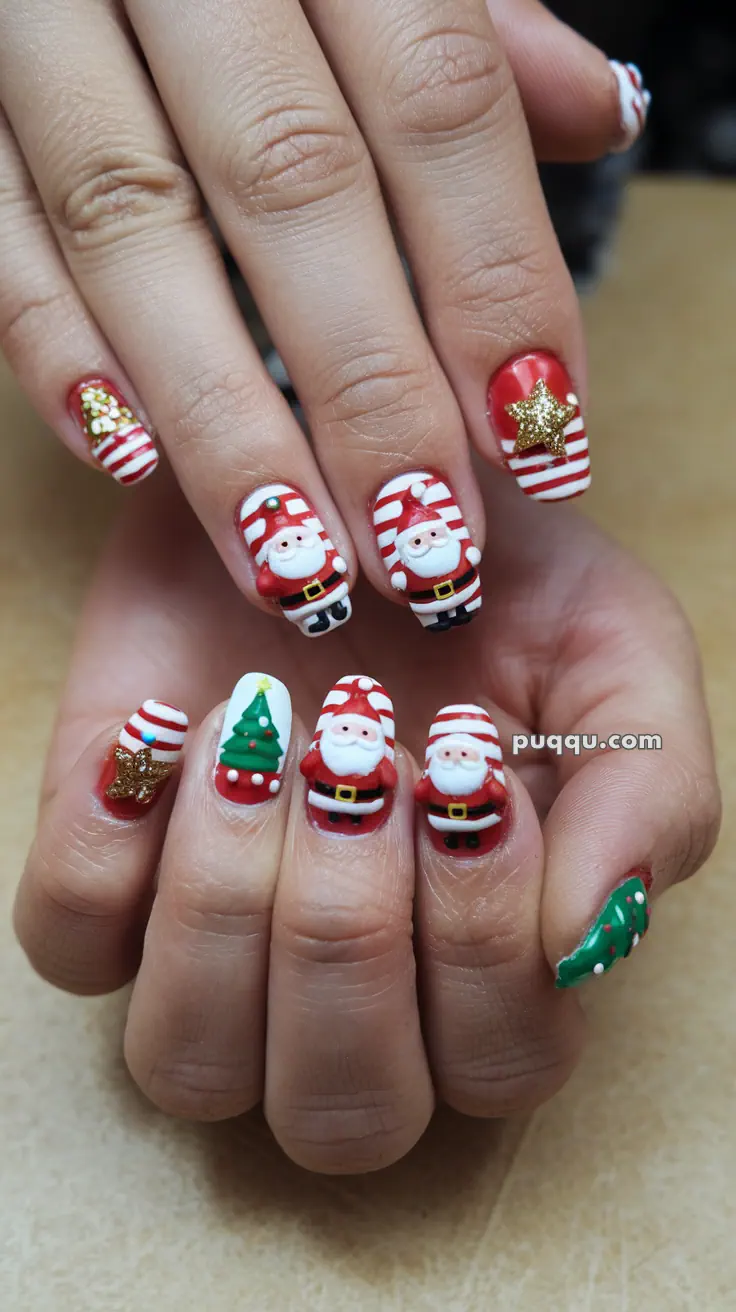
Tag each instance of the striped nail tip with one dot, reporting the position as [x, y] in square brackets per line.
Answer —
[119, 442]
[349, 767]
[463, 785]
[536, 417]
[299, 568]
[140, 764]
[254, 741]
[617, 930]
[427, 550]
[634, 101]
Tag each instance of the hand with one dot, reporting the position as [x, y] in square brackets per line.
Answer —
[260, 903]
[295, 121]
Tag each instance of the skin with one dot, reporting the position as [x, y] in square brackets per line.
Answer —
[282, 963]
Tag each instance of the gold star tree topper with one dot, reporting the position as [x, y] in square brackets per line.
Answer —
[137, 775]
[541, 420]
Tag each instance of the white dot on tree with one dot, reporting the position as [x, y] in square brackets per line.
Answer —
[232, 776]
[598, 968]
[635, 941]
[263, 721]
[639, 897]
[256, 779]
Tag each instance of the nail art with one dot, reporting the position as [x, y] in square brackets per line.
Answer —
[299, 568]
[349, 767]
[426, 548]
[536, 417]
[138, 767]
[254, 740]
[634, 101]
[622, 923]
[463, 788]
[118, 440]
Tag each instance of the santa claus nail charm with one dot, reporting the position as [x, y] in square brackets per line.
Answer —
[118, 440]
[349, 767]
[426, 548]
[634, 101]
[254, 740]
[463, 787]
[299, 568]
[536, 417]
[139, 765]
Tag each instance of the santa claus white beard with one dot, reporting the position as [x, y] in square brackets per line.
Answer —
[302, 563]
[350, 758]
[436, 563]
[457, 780]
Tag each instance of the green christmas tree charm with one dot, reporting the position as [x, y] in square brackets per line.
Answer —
[254, 743]
[622, 922]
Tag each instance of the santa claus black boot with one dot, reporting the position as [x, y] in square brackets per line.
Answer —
[339, 611]
[320, 623]
[472, 840]
[461, 616]
[441, 624]
[451, 841]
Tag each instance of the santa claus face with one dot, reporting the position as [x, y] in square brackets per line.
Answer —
[457, 765]
[352, 744]
[431, 550]
[297, 553]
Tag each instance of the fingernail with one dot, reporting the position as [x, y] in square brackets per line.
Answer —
[463, 788]
[138, 767]
[349, 767]
[298, 567]
[536, 418]
[634, 101]
[254, 740]
[118, 440]
[427, 550]
[620, 925]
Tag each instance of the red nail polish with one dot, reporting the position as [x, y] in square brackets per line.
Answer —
[119, 442]
[138, 767]
[536, 418]
[349, 767]
[463, 787]
[427, 550]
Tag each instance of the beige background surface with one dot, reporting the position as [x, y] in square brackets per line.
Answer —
[621, 1194]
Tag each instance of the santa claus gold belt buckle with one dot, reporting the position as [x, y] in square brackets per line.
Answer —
[345, 793]
[444, 590]
[313, 590]
[457, 811]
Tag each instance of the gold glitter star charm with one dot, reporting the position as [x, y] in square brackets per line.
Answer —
[137, 775]
[541, 420]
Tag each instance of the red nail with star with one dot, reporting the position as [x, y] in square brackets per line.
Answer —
[142, 760]
[535, 415]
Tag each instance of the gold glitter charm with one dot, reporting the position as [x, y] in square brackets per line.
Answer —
[137, 775]
[541, 420]
[102, 413]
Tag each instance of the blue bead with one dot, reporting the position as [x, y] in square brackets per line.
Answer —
[148, 736]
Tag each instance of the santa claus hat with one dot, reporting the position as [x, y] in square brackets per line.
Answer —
[156, 725]
[357, 694]
[270, 510]
[466, 721]
[408, 502]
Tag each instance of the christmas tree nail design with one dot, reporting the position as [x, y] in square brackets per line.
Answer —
[539, 426]
[618, 929]
[138, 767]
[118, 440]
[254, 740]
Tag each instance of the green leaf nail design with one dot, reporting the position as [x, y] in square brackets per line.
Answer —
[623, 921]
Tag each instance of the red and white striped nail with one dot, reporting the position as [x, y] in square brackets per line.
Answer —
[634, 101]
[349, 767]
[426, 547]
[141, 762]
[463, 787]
[118, 440]
[300, 569]
[536, 417]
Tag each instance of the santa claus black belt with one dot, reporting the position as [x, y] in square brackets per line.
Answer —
[311, 592]
[460, 811]
[346, 793]
[441, 591]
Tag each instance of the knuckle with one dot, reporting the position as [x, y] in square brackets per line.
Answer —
[197, 1090]
[122, 195]
[382, 391]
[27, 320]
[208, 413]
[346, 1134]
[447, 83]
[204, 904]
[512, 274]
[291, 157]
[520, 1081]
[328, 935]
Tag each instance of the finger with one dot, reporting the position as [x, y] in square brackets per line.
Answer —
[645, 810]
[86, 888]
[127, 218]
[579, 105]
[435, 97]
[39, 304]
[347, 1084]
[196, 1026]
[497, 1040]
[292, 186]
